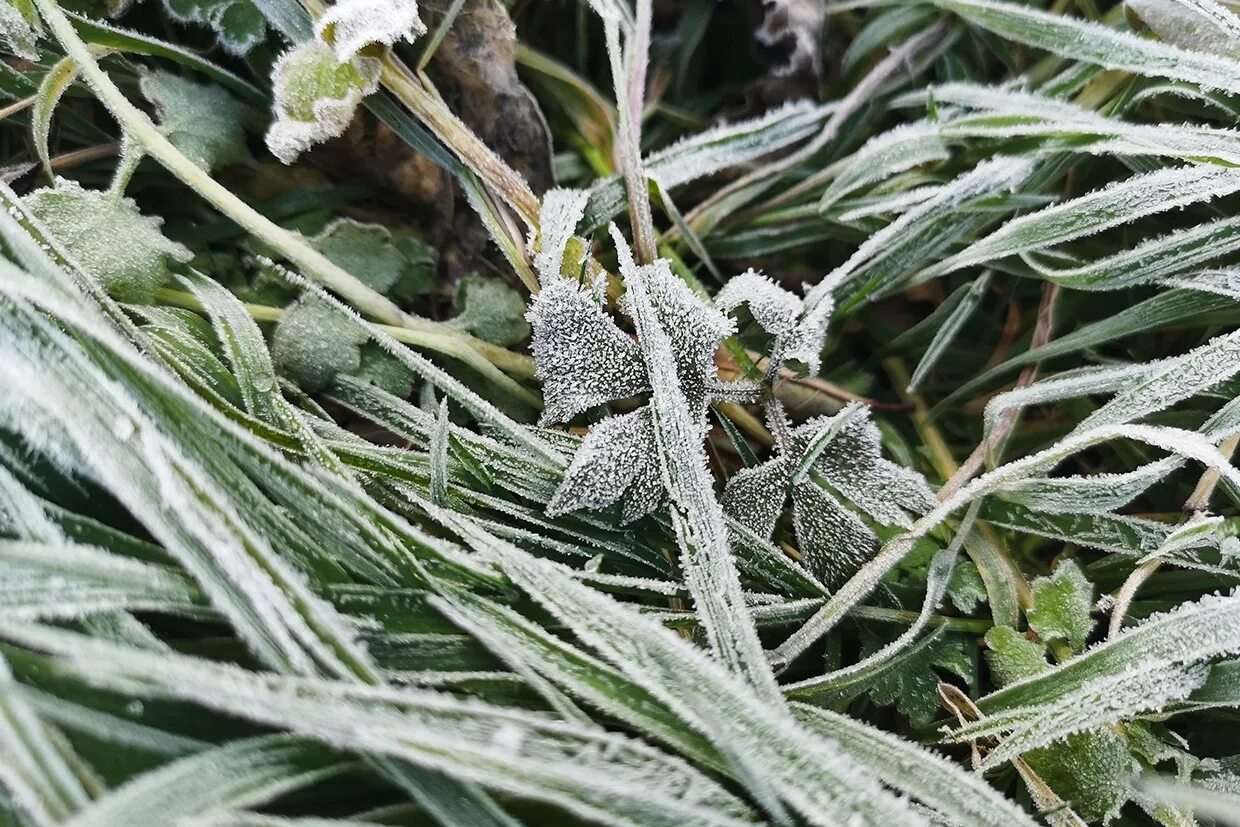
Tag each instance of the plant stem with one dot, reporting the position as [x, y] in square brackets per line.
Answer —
[139, 129]
[514, 364]
[630, 81]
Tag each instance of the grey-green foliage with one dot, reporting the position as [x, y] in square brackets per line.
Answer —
[469, 615]
[313, 345]
[204, 122]
[108, 238]
[491, 310]
[396, 264]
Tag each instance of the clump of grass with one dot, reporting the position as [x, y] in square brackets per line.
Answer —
[864, 458]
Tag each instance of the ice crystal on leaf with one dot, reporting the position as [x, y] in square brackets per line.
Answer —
[201, 120]
[615, 462]
[108, 238]
[316, 96]
[832, 537]
[798, 330]
[20, 28]
[351, 25]
[584, 359]
[238, 24]
[694, 328]
[1061, 606]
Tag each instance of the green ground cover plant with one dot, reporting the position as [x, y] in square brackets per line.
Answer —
[558, 412]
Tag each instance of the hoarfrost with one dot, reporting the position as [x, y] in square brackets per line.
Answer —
[315, 97]
[834, 540]
[352, 25]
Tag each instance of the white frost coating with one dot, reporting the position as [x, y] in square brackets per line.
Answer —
[1162, 258]
[1095, 43]
[596, 775]
[1118, 203]
[247, 771]
[678, 334]
[1067, 385]
[1162, 659]
[773, 307]
[561, 211]
[963, 797]
[998, 174]
[617, 459]
[583, 358]
[33, 769]
[834, 541]
[1183, 376]
[694, 329]
[807, 771]
[886, 154]
[798, 332]
[705, 153]
[352, 25]
[1089, 494]
[316, 97]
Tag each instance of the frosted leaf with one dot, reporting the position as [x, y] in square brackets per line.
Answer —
[853, 465]
[1095, 43]
[201, 120]
[754, 496]
[1012, 656]
[1114, 205]
[709, 151]
[808, 772]
[491, 310]
[1173, 381]
[923, 228]
[694, 328]
[239, 24]
[1200, 25]
[20, 28]
[316, 96]
[833, 540]
[247, 771]
[964, 797]
[311, 344]
[803, 346]
[1160, 660]
[1062, 604]
[561, 211]
[675, 328]
[1091, 494]
[583, 358]
[798, 332]
[351, 25]
[108, 238]
[772, 307]
[616, 460]
[885, 155]
[593, 774]
[1091, 770]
